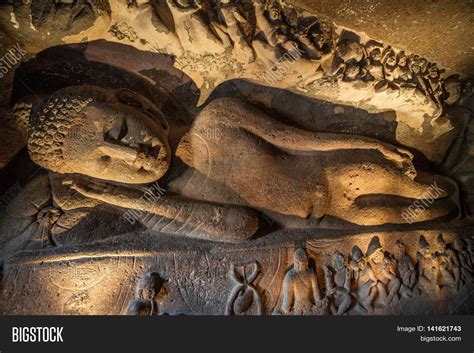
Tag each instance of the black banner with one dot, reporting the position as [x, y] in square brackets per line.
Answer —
[318, 334]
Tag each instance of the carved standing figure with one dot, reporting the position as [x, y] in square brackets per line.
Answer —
[192, 29]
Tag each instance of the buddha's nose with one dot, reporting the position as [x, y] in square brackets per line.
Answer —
[125, 153]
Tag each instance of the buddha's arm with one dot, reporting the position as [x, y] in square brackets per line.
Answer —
[203, 219]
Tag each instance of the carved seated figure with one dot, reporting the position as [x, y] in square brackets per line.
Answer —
[256, 163]
[300, 292]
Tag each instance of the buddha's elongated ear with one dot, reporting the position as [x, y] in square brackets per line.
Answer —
[136, 100]
[21, 112]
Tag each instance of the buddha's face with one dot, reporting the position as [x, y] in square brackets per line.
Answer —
[117, 142]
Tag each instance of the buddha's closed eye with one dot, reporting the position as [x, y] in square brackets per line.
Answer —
[118, 131]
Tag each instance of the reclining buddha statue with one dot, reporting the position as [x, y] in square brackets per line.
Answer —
[241, 165]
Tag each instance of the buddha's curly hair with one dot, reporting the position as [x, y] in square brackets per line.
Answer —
[50, 123]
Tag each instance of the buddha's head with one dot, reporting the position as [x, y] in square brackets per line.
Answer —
[111, 135]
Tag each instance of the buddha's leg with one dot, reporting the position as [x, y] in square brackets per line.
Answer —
[396, 214]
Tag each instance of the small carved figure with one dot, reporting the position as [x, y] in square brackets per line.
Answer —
[193, 29]
[402, 73]
[465, 261]
[384, 267]
[300, 293]
[316, 37]
[148, 288]
[452, 88]
[428, 268]
[274, 36]
[348, 52]
[372, 65]
[365, 281]
[389, 63]
[244, 298]
[338, 286]
[233, 20]
[449, 266]
[434, 85]
[406, 270]
[417, 66]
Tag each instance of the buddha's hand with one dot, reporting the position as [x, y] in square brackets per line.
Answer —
[111, 194]
[401, 157]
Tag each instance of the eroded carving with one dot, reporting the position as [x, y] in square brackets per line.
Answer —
[244, 298]
[148, 289]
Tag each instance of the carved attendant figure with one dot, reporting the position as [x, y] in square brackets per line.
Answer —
[449, 267]
[338, 287]
[428, 267]
[364, 280]
[384, 269]
[406, 269]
